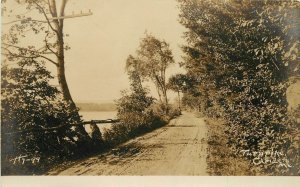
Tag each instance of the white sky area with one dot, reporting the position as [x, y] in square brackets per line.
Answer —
[101, 43]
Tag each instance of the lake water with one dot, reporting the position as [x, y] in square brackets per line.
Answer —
[95, 115]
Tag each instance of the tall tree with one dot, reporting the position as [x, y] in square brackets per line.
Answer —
[134, 107]
[154, 56]
[51, 29]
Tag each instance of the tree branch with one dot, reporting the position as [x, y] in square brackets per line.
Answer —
[23, 56]
[45, 15]
[25, 49]
[50, 60]
[47, 46]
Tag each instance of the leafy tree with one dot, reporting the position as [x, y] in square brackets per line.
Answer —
[134, 107]
[50, 30]
[132, 67]
[243, 54]
[177, 83]
[153, 58]
[137, 101]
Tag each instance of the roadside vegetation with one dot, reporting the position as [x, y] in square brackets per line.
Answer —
[40, 123]
[242, 56]
[137, 110]
[222, 160]
[41, 127]
[35, 121]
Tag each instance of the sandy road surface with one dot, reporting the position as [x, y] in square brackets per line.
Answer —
[178, 148]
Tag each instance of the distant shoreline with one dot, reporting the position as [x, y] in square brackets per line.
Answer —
[96, 107]
[91, 111]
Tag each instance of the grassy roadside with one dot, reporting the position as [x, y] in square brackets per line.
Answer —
[221, 160]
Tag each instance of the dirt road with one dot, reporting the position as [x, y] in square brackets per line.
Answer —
[178, 148]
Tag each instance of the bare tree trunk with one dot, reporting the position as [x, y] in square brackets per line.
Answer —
[162, 93]
[59, 23]
[158, 92]
[165, 99]
[164, 89]
[179, 100]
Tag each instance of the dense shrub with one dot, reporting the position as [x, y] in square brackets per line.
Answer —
[135, 111]
[174, 112]
[133, 126]
[243, 53]
[293, 137]
[30, 107]
[221, 160]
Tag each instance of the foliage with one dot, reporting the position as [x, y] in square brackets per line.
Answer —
[293, 136]
[35, 23]
[133, 104]
[243, 54]
[39, 21]
[221, 160]
[194, 98]
[30, 108]
[134, 110]
[192, 102]
[153, 58]
[29, 102]
[177, 83]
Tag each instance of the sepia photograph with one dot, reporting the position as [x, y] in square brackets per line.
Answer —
[150, 88]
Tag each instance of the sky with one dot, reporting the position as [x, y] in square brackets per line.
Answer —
[100, 43]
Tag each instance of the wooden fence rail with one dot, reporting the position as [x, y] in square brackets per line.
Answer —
[41, 129]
